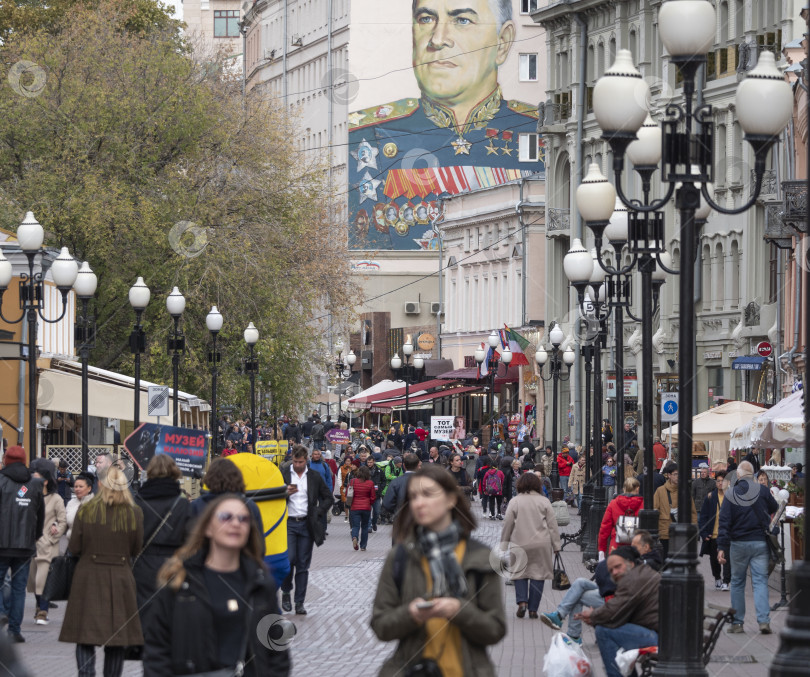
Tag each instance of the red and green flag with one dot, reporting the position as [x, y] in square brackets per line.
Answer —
[517, 344]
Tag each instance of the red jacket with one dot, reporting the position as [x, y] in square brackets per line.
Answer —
[623, 504]
[364, 494]
[660, 454]
[564, 464]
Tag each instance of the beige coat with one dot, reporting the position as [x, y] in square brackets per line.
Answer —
[576, 482]
[48, 543]
[661, 502]
[530, 527]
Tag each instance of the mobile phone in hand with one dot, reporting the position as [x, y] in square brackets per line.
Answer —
[424, 605]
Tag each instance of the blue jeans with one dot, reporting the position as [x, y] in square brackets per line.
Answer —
[754, 554]
[529, 590]
[627, 636]
[19, 578]
[299, 550]
[582, 593]
[564, 484]
[359, 520]
[375, 511]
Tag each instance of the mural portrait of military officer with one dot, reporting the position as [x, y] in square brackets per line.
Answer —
[461, 133]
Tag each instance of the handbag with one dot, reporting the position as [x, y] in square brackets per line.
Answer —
[560, 580]
[60, 578]
[350, 494]
[776, 555]
[626, 527]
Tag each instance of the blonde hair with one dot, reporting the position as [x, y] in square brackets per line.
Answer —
[631, 484]
[114, 500]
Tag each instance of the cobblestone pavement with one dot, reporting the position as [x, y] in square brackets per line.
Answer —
[335, 638]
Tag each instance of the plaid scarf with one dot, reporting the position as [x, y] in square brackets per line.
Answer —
[445, 570]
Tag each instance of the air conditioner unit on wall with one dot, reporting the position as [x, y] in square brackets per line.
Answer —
[412, 308]
[436, 308]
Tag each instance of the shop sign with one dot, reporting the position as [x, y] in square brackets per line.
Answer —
[630, 386]
[713, 355]
[426, 342]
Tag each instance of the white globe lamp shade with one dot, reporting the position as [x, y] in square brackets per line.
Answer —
[705, 209]
[687, 27]
[506, 355]
[175, 303]
[541, 356]
[493, 339]
[139, 295]
[595, 196]
[602, 292]
[620, 96]
[30, 234]
[86, 282]
[556, 336]
[646, 151]
[407, 349]
[339, 347]
[6, 272]
[659, 274]
[578, 263]
[598, 273]
[569, 356]
[480, 355]
[251, 335]
[418, 362]
[351, 358]
[396, 362]
[617, 230]
[214, 319]
[764, 99]
[64, 269]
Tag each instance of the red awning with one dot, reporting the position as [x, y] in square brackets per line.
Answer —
[512, 375]
[427, 397]
[397, 392]
[468, 373]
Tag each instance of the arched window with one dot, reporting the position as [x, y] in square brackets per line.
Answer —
[720, 165]
[706, 287]
[734, 288]
[590, 66]
[739, 18]
[600, 59]
[633, 45]
[612, 50]
[719, 277]
[723, 23]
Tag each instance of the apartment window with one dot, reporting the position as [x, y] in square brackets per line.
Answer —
[226, 23]
[527, 6]
[529, 147]
[528, 67]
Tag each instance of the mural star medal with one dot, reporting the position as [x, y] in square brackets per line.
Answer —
[366, 156]
[368, 188]
[506, 149]
[390, 150]
[462, 146]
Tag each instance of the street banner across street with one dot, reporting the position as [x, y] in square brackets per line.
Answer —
[188, 447]
[441, 427]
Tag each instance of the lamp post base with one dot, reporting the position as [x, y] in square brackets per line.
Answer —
[793, 656]
[680, 601]
[597, 512]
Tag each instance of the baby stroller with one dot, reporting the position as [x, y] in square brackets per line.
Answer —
[338, 506]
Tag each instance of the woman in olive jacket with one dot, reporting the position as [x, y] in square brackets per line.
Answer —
[436, 560]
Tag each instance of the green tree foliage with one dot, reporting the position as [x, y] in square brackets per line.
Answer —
[144, 161]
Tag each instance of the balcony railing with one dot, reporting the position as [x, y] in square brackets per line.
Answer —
[795, 211]
[770, 186]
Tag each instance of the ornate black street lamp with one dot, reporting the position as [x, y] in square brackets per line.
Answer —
[343, 368]
[764, 104]
[214, 323]
[252, 368]
[139, 296]
[85, 334]
[494, 362]
[556, 375]
[176, 304]
[64, 270]
[407, 372]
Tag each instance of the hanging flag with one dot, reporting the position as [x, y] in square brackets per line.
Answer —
[483, 368]
[517, 344]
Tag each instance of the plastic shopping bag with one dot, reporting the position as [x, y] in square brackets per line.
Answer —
[626, 660]
[566, 659]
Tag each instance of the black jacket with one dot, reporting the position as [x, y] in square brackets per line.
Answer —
[745, 515]
[156, 498]
[181, 640]
[395, 494]
[319, 500]
[378, 477]
[22, 511]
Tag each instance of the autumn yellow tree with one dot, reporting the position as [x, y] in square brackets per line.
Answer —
[145, 161]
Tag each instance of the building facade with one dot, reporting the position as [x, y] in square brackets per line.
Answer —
[741, 275]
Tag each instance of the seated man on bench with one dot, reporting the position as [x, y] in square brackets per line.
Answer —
[629, 620]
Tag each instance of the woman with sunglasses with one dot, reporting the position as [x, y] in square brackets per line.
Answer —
[216, 607]
[438, 595]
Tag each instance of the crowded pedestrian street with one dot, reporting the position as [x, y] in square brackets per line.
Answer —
[335, 636]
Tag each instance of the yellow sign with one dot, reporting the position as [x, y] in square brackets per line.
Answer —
[426, 342]
[272, 450]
